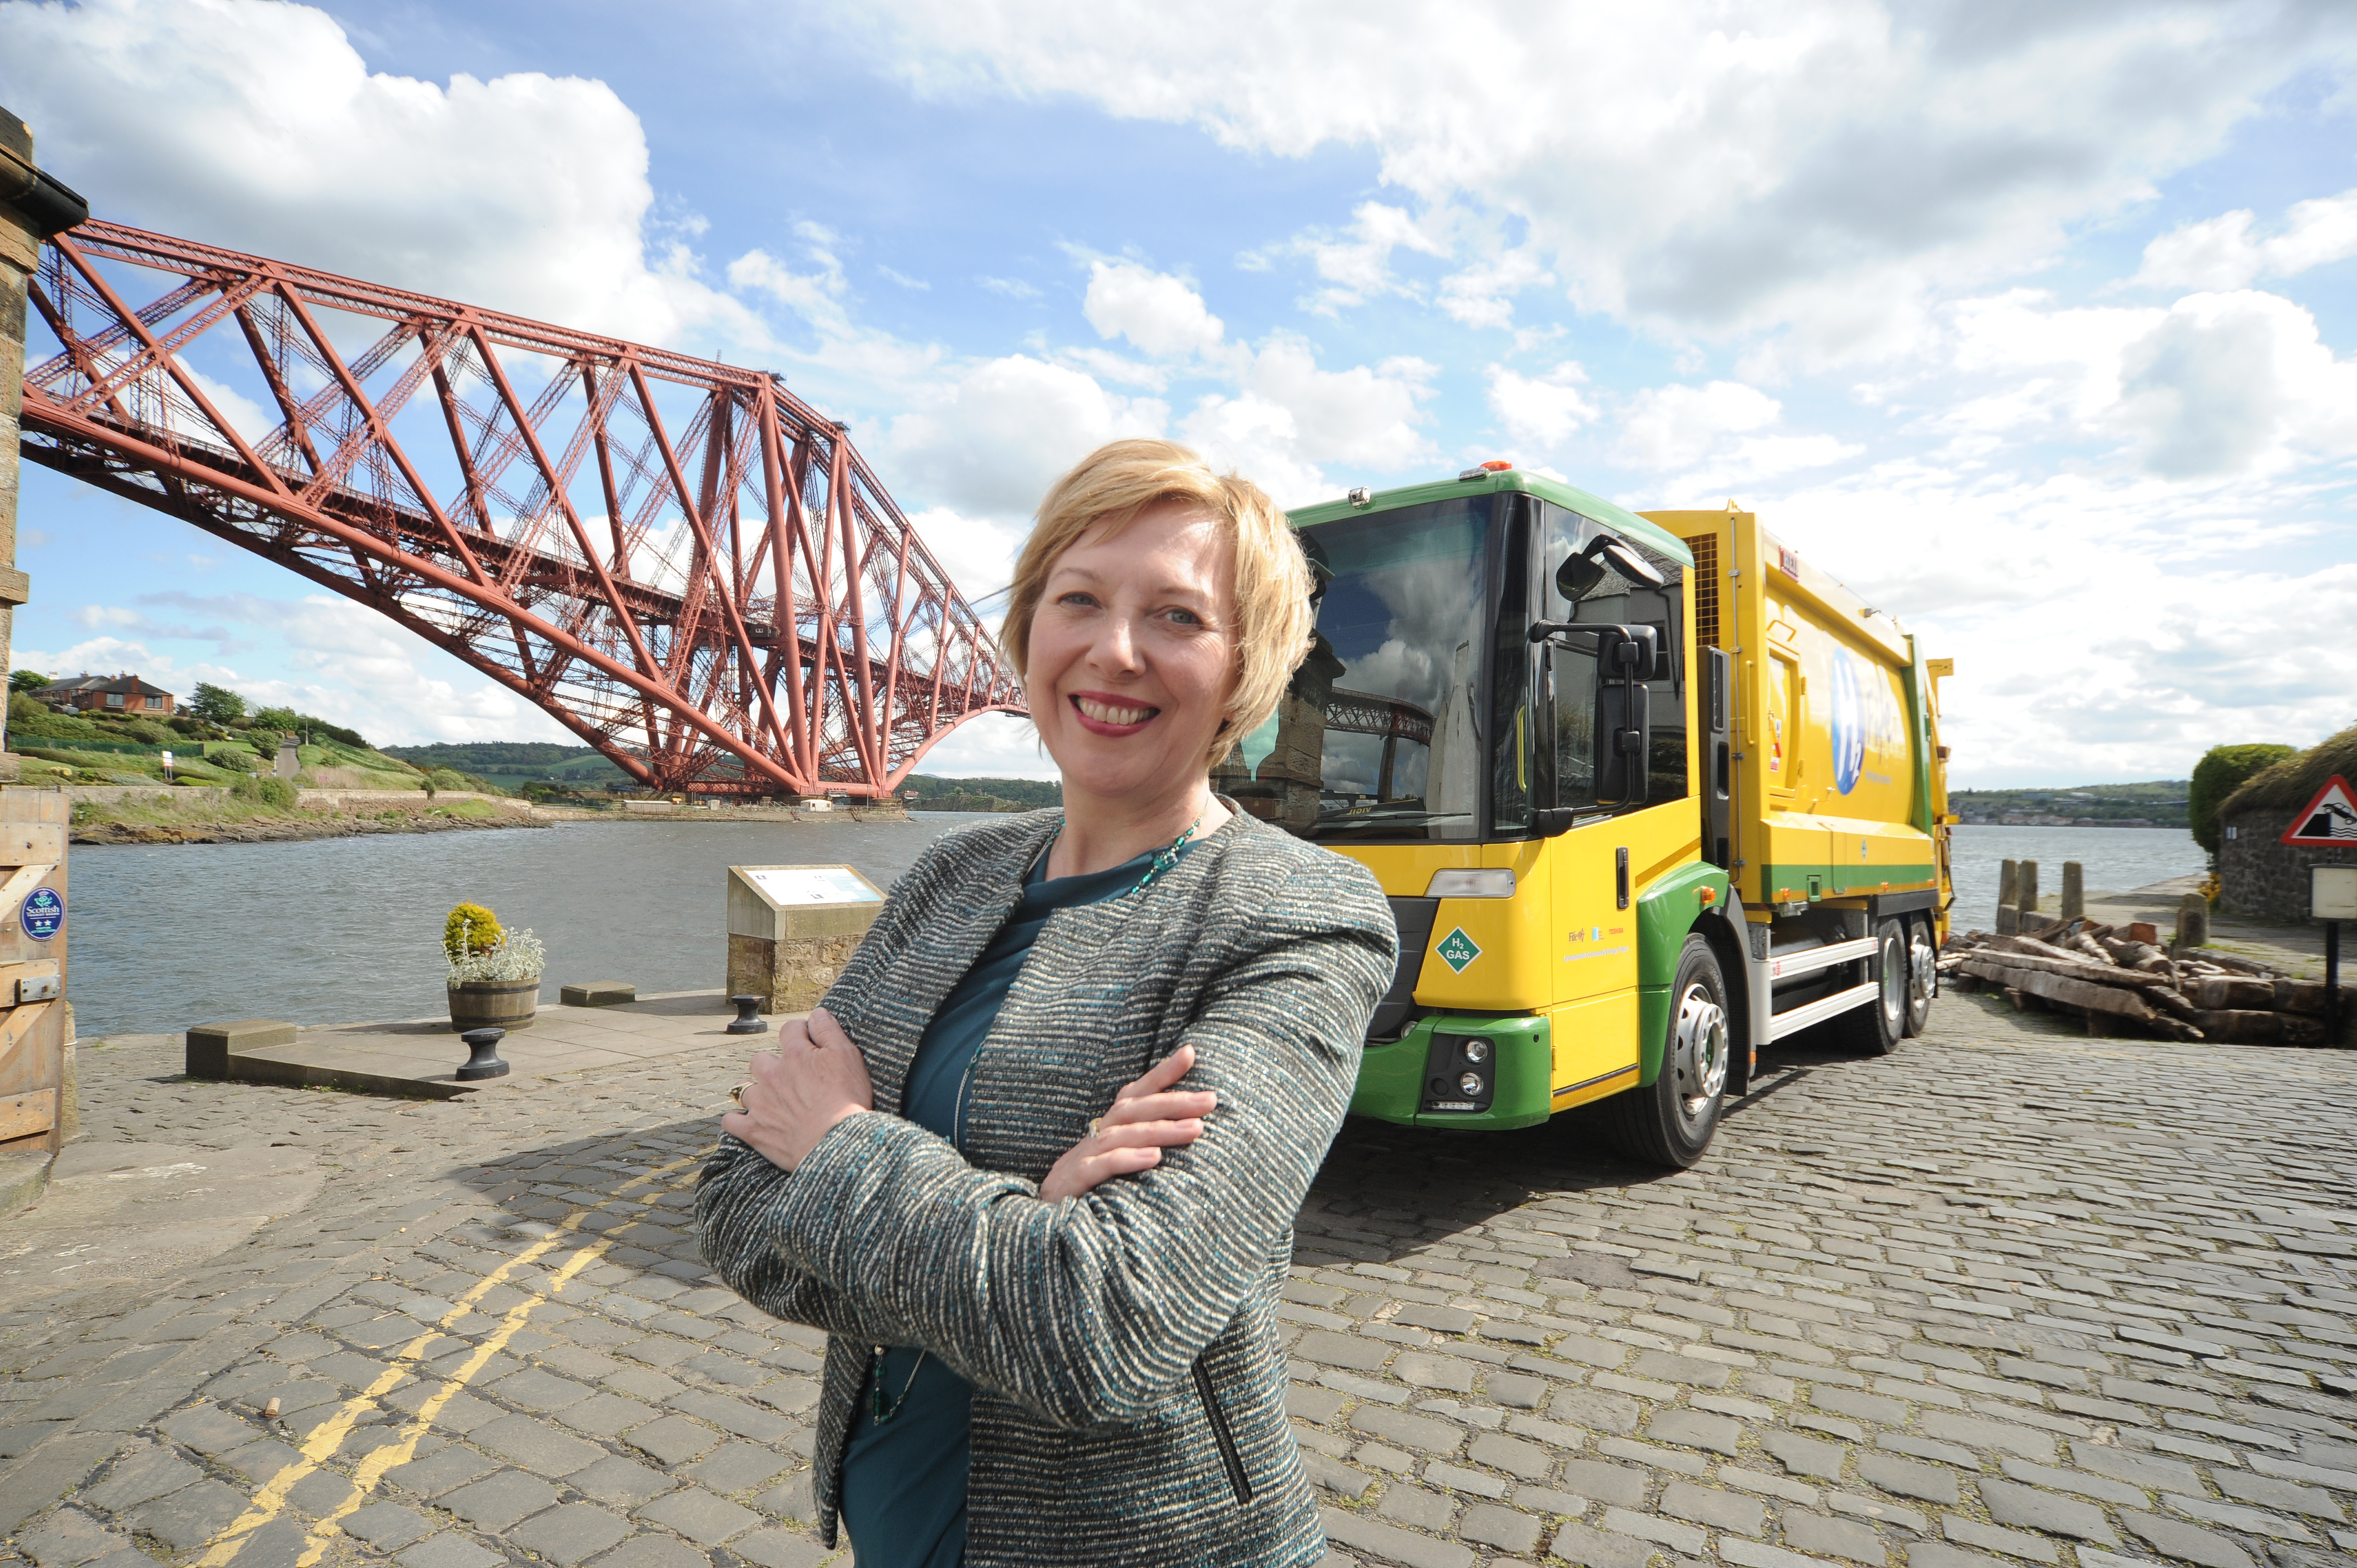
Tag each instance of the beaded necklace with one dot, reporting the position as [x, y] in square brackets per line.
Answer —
[1163, 860]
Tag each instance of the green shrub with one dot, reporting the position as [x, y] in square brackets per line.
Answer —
[470, 928]
[275, 793]
[149, 732]
[2221, 772]
[448, 779]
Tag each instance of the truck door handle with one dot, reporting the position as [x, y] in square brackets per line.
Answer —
[1621, 877]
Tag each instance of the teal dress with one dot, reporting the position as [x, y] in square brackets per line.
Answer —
[904, 1476]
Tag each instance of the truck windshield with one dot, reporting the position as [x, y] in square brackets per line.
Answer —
[1377, 737]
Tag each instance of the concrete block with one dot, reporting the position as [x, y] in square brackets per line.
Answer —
[212, 1044]
[23, 1178]
[599, 994]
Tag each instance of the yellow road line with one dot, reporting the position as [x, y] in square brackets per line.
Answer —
[372, 1467]
[329, 1436]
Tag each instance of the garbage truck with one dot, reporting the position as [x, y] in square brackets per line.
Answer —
[1648, 794]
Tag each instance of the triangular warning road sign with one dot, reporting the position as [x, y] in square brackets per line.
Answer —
[2331, 819]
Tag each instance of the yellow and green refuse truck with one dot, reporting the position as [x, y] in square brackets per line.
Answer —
[1647, 792]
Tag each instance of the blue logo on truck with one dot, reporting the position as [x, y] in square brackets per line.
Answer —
[1848, 723]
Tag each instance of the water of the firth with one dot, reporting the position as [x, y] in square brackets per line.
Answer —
[349, 930]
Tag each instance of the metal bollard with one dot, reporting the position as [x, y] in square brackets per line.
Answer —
[482, 1055]
[746, 1022]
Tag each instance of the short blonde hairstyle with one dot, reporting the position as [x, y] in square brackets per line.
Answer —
[1122, 479]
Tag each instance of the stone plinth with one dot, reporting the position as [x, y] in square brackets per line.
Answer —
[792, 927]
[210, 1046]
[597, 993]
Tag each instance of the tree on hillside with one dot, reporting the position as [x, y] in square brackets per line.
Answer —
[27, 680]
[216, 704]
[2221, 772]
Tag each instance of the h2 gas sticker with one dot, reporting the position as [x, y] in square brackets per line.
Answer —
[1457, 949]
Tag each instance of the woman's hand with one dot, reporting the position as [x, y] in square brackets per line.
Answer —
[1147, 1118]
[814, 1079]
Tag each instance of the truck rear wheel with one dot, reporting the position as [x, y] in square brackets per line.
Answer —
[1669, 1122]
[1878, 1027]
[1922, 975]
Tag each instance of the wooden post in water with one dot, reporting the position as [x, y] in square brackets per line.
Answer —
[2025, 896]
[2007, 922]
[2074, 891]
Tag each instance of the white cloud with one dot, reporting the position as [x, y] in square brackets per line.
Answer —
[1718, 434]
[1289, 419]
[977, 553]
[2220, 252]
[1164, 315]
[1483, 294]
[1013, 288]
[1357, 267]
[1541, 410]
[2214, 384]
[1825, 165]
[256, 124]
[904, 280]
[989, 443]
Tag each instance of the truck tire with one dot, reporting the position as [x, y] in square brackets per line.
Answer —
[1669, 1122]
[1923, 974]
[1878, 1027]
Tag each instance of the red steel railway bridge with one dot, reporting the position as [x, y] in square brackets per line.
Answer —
[680, 561]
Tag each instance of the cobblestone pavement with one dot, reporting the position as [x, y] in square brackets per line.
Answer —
[2009, 1297]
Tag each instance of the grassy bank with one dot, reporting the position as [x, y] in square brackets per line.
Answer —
[210, 819]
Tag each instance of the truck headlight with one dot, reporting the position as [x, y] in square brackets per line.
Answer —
[1471, 1083]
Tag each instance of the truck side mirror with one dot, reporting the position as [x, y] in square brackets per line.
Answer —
[1624, 718]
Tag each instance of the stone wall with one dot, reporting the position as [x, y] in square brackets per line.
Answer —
[2265, 878]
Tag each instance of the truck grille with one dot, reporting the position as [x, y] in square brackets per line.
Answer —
[1706, 586]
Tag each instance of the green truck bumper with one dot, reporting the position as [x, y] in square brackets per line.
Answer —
[1391, 1078]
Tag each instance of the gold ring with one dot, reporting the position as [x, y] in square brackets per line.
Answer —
[1096, 1127]
[737, 1095]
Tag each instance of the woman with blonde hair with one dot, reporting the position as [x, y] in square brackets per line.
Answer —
[1033, 1163]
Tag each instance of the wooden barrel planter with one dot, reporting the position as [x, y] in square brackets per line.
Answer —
[494, 1004]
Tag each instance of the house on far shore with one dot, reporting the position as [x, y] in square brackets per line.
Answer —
[96, 694]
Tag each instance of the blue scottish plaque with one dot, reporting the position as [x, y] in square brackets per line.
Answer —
[43, 913]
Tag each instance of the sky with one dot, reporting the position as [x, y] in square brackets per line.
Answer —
[2032, 320]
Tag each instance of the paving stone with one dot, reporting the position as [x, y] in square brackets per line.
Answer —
[388, 1527]
[2148, 1470]
[448, 1551]
[1347, 1351]
[1393, 1544]
[779, 1549]
[1803, 1455]
[186, 1518]
[147, 1473]
[605, 1414]
[791, 1498]
[2030, 1508]
[1487, 1524]
[1826, 1536]
[571, 1534]
[207, 1429]
[1989, 1538]
[497, 1502]
[2273, 1493]
[1705, 1505]
[1323, 1469]
[1419, 1433]
[69, 1538]
[1677, 1537]
[707, 1520]
[440, 1472]
[1715, 1432]
[1622, 1484]
[1458, 1478]
[740, 1467]
[1576, 1542]
[1515, 1392]
[534, 1444]
[1907, 1479]
[674, 1440]
[1527, 1460]
[1596, 1410]
[1416, 1506]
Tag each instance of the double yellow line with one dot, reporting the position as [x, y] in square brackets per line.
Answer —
[328, 1438]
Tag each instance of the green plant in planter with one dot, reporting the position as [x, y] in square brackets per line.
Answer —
[480, 949]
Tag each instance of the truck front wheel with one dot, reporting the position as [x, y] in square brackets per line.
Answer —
[1669, 1122]
[1923, 974]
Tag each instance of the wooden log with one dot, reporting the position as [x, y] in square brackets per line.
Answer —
[2307, 997]
[2054, 987]
[2082, 942]
[2243, 1027]
[2222, 992]
[2054, 961]
[2176, 1001]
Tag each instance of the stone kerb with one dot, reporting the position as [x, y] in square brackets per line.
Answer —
[346, 800]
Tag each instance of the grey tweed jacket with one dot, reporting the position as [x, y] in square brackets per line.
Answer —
[1129, 1380]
